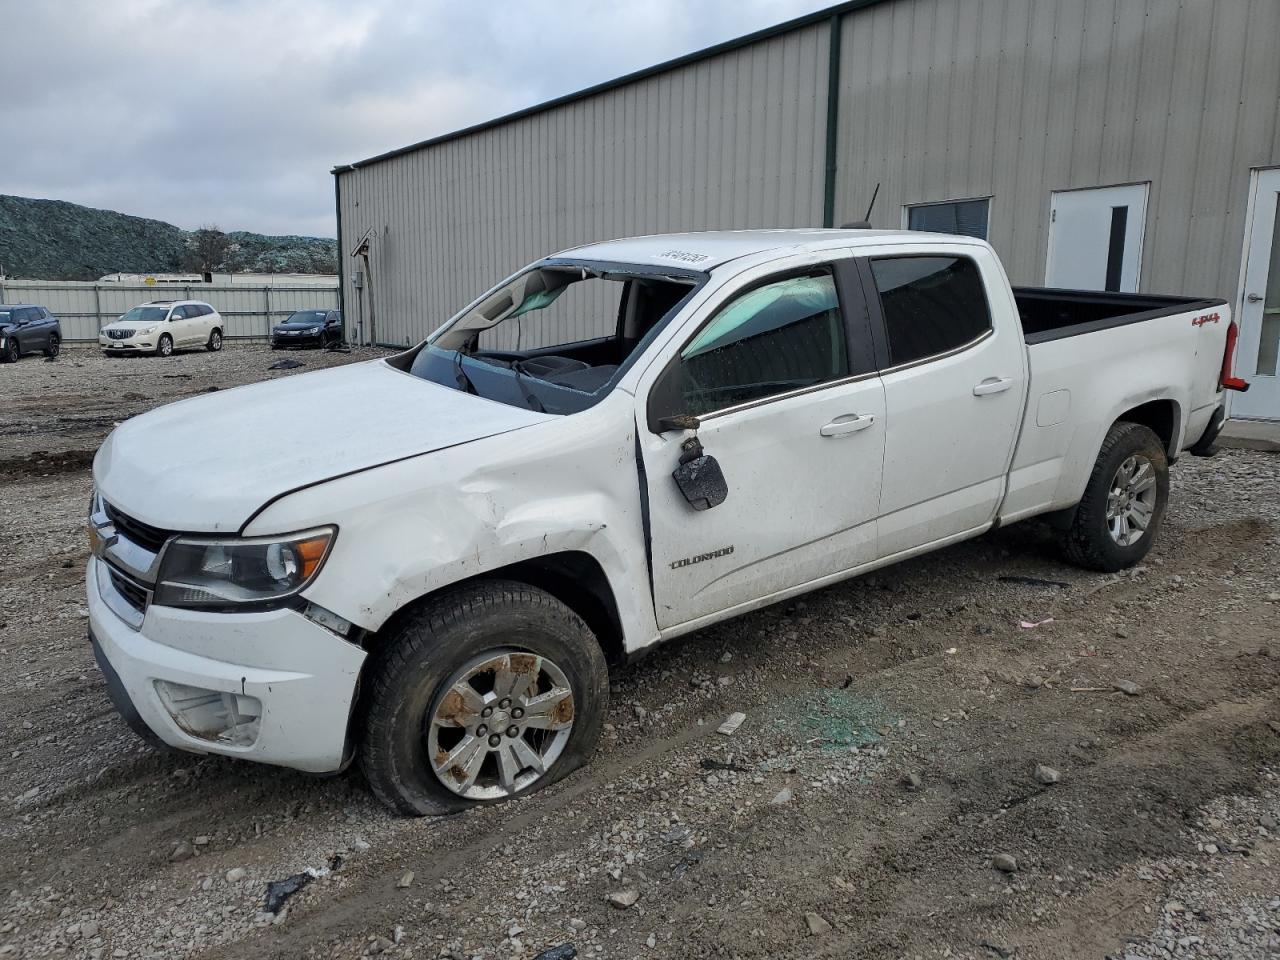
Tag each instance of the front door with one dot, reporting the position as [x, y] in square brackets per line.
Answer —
[1259, 308]
[795, 420]
[1095, 238]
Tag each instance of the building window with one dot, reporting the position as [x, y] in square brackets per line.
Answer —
[965, 217]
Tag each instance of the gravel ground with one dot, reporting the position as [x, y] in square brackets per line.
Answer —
[887, 771]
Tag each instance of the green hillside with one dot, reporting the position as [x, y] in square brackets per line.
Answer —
[56, 240]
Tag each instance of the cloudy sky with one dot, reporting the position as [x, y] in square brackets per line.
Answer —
[234, 111]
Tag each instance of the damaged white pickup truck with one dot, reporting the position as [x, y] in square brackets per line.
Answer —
[618, 445]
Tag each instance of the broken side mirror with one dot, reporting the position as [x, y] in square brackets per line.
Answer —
[699, 476]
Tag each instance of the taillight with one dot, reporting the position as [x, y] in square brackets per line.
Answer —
[1228, 381]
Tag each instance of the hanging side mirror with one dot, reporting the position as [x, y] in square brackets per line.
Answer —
[699, 476]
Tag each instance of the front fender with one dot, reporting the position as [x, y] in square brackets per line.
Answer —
[410, 528]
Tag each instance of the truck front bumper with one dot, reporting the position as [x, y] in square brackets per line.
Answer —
[271, 686]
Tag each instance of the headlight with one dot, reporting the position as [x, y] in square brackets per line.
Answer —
[146, 330]
[198, 572]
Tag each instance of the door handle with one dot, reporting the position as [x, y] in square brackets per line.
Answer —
[1253, 298]
[847, 424]
[993, 385]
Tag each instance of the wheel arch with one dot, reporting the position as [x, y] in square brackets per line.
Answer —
[1162, 417]
[573, 577]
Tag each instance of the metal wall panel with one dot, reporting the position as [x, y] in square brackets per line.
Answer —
[249, 312]
[938, 99]
[1013, 99]
[733, 141]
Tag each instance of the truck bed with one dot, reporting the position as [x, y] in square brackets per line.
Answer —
[1051, 314]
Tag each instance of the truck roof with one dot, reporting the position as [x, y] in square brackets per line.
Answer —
[710, 249]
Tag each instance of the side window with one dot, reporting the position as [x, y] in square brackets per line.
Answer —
[198, 310]
[930, 304]
[782, 336]
[178, 313]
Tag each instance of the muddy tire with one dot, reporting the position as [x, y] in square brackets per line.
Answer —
[490, 691]
[1124, 502]
[164, 346]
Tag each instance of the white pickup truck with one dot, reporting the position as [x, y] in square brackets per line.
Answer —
[618, 445]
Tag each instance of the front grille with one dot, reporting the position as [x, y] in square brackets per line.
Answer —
[135, 595]
[144, 535]
[119, 334]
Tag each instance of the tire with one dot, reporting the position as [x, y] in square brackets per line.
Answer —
[430, 655]
[215, 341]
[54, 347]
[164, 346]
[12, 351]
[1096, 539]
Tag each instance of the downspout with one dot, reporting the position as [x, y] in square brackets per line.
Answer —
[833, 122]
[337, 206]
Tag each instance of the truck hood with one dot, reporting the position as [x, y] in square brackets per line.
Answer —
[208, 463]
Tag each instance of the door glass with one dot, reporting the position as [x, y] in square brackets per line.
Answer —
[1269, 345]
[930, 304]
[778, 337]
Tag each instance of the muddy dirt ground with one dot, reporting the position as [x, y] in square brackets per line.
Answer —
[887, 768]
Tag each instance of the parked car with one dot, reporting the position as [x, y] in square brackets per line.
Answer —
[439, 589]
[308, 328]
[162, 326]
[26, 328]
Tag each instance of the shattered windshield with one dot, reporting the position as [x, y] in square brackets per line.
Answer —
[555, 337]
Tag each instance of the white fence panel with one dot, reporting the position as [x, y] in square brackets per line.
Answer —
[249, 312]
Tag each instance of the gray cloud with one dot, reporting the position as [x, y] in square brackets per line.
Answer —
[233, 112]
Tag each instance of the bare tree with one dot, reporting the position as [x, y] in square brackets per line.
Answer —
[207, 250]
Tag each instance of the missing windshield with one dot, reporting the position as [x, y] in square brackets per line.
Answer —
[554, 338]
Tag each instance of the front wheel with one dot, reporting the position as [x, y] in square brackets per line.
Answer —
[11, 352]
[215, 341]
[164, 346]
[491, 691]
[1124, 501]
[53, 347]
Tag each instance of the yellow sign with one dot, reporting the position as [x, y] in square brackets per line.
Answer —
[150, 281]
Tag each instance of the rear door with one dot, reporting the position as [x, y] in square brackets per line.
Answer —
[780, 372]
[953, 366]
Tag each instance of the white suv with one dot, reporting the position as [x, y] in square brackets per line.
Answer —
[162, 326]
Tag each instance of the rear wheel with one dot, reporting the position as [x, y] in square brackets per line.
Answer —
[1124, 503]
[215, 341]
[489, 692]
[54, 346]
[164, 346]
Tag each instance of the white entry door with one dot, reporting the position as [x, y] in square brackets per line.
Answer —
[1259, 317]
[1095, 238]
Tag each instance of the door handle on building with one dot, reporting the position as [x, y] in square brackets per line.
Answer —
[992, 385]
[847, 424]
[1253, 298]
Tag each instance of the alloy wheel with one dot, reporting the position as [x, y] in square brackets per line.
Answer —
[500, 725]
[1131, 501]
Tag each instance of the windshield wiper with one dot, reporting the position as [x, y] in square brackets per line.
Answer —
[530, 401]
[460, 375]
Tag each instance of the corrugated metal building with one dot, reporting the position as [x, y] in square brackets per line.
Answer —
[996, 117]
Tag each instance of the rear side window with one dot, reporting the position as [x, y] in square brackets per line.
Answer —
[782, 336]
[930, 304]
